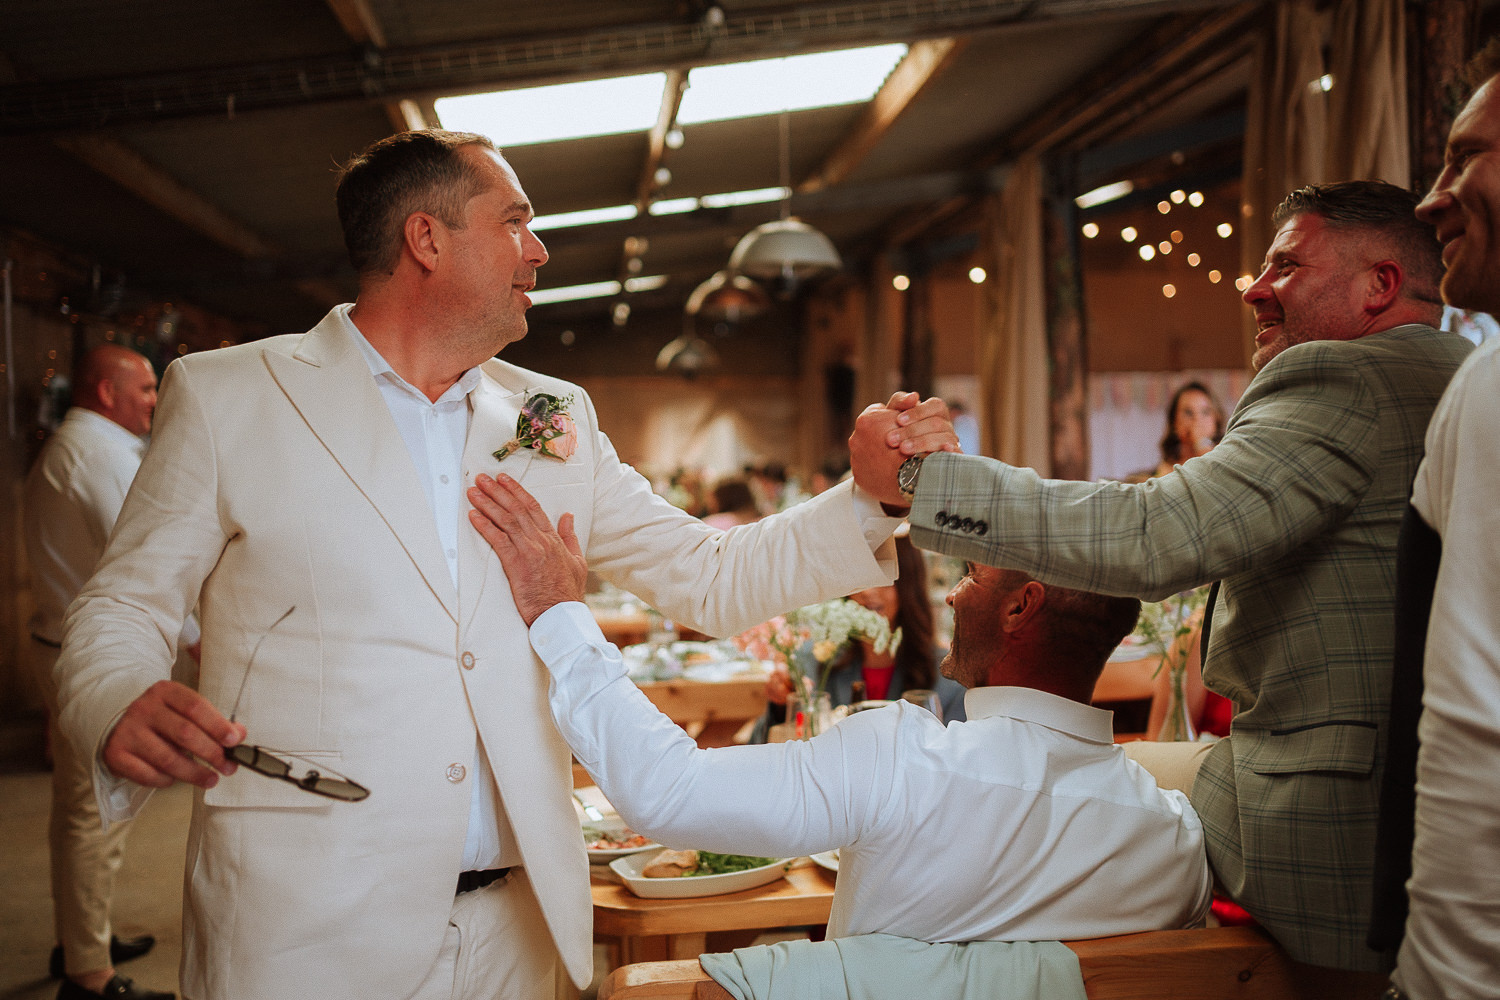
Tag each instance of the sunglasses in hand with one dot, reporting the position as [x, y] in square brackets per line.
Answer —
[279, 764]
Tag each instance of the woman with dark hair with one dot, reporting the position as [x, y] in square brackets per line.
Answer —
[1195, 423]
[907, 605]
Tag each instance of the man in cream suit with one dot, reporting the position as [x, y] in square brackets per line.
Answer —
[1297, 512]
[324, 473]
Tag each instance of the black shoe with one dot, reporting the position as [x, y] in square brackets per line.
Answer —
[118, 988]
[119, 951]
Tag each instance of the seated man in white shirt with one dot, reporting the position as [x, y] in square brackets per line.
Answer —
[1025, 823]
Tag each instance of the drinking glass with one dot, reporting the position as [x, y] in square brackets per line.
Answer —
[925, 698]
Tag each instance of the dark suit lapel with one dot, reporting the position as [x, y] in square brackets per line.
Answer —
[328, 380]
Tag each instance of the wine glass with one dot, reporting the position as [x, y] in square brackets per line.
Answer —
[925, 698]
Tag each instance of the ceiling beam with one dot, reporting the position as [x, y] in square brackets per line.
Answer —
[358, 21]
[393, 73]
[656, 140]
[1116, 97]
[159, 189]
[924, 62]
[364, 28]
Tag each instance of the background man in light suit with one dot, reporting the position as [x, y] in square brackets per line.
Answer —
[73, 496]
[324, 472]
[1297, 512]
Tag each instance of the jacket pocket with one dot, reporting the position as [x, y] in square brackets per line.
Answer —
[1343, 746]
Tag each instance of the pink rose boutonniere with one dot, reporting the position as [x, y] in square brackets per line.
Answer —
[545, 427]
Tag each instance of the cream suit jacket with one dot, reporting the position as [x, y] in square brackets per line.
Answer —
[277, 478]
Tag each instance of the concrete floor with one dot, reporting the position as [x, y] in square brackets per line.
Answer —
[148, 893]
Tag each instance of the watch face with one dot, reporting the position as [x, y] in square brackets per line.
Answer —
[906, 476]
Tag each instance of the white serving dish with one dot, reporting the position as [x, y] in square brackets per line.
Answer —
[629, 870]
[827, 859]
[612, 827]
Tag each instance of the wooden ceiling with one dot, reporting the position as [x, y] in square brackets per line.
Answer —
[188, 149]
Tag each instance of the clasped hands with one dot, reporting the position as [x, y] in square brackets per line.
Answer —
[887, 435]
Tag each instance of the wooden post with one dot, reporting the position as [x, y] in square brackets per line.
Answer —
[1441, 34]
[916, 346]
[1067, 334]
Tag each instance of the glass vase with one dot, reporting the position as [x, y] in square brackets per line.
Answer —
[808, 716]
[1177, 725]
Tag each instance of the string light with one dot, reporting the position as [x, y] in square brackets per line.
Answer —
[1128, 234]
[900, 282]
[977, 275]
[1169, 290]
[1178, 196]
[1225, 230]
[1164, 207]
[1147, 251]
[1196, 199]
[1090, 229]
[1194, 260]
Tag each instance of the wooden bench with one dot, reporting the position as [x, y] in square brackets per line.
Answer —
[1219, 963]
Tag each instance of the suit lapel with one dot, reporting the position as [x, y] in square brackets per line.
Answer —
[496, 405]
[328, 380]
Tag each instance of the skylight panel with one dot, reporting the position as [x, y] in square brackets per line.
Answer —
[595, 290]
[559, 111]
[572, 293]
[793, 83]
[754, 196]
[673, 206]
[584, 217]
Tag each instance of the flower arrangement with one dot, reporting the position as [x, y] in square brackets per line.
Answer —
[544, 426]
[1165, 627]
[827, 628]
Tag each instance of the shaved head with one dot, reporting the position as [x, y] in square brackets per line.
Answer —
[117, 383]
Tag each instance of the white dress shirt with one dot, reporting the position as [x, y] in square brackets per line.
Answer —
[1024, 823]
[1452, 944]
[73, 497]
[435, 433]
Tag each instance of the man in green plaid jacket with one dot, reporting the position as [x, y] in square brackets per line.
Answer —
[1296, 511]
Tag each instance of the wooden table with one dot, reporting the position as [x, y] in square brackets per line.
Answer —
[1127, 680]
[650, 930]
[711, 711]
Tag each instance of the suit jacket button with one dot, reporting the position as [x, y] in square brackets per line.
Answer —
[456, 773]
[467, 660]
[941, 517]
[980, 527]
[967, 525]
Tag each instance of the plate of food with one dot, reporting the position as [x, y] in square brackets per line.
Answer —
[827, 859]
[606, 840]
[680, 874]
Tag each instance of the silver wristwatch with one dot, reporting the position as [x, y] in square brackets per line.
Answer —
[906, 477]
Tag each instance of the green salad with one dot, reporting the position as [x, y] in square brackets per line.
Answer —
[710, 863]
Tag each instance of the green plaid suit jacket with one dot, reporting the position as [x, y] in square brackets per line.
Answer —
[1297, 512]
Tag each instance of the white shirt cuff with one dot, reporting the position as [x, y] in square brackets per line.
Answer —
[874, 523]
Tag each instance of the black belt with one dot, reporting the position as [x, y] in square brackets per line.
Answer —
[469, 881]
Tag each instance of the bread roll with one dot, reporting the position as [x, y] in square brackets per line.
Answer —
[671, 864]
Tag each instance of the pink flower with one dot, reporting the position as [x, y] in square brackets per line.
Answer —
[562, 439]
